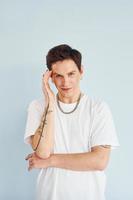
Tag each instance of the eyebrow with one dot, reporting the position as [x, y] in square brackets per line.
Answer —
[61, 75]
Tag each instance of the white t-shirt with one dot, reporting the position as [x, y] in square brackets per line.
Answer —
[91, 124]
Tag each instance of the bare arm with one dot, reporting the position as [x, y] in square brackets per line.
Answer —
[43, 139]
[97, 159]
[36, 137]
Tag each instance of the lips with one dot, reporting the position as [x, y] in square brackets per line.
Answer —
[65, 89]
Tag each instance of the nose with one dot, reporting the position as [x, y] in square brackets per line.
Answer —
[66, 81]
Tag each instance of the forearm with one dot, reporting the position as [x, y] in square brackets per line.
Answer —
[36, 137]
[45, 141]
[78, 161]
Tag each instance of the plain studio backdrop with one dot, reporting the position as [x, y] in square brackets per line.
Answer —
[103, 32]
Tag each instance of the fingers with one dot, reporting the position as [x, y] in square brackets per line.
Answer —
[29, 156]
[47, 75]
[45, 83]
[31, 159]
[36, 162]
[45, 80]
[29, 168]
[30, 164]
[48, 93]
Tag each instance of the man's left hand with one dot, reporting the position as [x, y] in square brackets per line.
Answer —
[37, 162]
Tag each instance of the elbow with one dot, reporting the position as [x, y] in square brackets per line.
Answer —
[102, 165]
[100, 158]
[43, 155]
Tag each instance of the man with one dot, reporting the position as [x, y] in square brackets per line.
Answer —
[71, 134]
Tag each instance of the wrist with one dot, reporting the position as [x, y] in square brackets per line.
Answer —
[52, 99]
[51, 105]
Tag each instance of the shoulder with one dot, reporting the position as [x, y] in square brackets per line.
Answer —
[97, 104]
[37, 104]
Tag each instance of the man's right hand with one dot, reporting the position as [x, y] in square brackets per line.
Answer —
[48, 93]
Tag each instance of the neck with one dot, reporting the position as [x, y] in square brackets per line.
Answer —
[69, 99]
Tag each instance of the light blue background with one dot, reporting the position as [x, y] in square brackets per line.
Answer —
[103, 32]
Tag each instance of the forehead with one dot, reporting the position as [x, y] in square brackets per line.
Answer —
[66, 66]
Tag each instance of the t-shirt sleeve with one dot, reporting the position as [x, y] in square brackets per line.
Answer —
[33, 121]
[103, 130]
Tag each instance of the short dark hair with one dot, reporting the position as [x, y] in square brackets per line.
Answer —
[62, 52]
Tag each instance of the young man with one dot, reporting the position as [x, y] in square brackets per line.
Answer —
[71, 134]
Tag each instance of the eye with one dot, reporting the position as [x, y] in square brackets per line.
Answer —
[71, 74]
[58, 75]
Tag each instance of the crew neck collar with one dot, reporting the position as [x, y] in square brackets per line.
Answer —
[67, 104]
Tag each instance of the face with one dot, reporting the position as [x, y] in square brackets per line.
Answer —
[66, 77]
